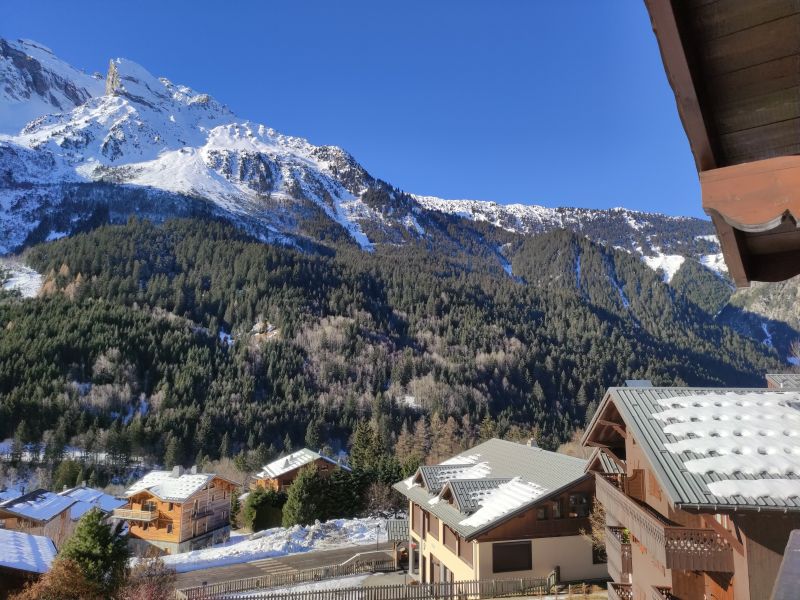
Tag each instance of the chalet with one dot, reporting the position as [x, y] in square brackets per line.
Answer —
[87, 498]
[23, 558]
[279, 474]
[501, 510]
[39, 513]
[783, 381]
[701, 489]
[176, 511]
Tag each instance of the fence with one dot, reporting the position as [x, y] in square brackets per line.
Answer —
[220, 590]
[460, 590]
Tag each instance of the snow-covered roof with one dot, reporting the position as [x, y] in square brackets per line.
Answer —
[9, 494]
[88, 498]
[718, 448]
[293, 461]
[490, 483]
[171, 485]
[784, 380]
[26, 552]
[38, 505]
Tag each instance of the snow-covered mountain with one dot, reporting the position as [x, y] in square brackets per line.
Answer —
[664, 242]
[130, 143]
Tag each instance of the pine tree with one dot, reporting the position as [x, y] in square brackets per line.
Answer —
[488, 429]
[362, 450]
[225, 446]
[304, 502]
[172, 456]
[99, 551]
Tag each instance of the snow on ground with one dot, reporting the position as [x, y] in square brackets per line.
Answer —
[667, 264]
[329, 584]
[280, 541]
[24, 279]
[767, 341]
[732, 433]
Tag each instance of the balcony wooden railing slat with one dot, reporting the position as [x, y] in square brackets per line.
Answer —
[128, 514]
[620, 563]
[684, 548]
[620, 591]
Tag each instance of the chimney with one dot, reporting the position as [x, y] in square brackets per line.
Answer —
[532, 443]
[193, 470]
[177, 471]
[83, 483]
[65, 488]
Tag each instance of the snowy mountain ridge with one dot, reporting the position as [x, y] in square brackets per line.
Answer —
[167, 150]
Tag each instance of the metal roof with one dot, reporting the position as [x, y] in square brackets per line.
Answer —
[468, 493]
[784, 380]
[39, 505]
[293, 461]
[502, 460]
[686, 489]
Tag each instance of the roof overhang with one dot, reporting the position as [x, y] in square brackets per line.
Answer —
[735, 70]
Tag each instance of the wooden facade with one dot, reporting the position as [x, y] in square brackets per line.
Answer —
[57, 527]
[735, 70]
[654, 547]
[325, 468]
[178, 526]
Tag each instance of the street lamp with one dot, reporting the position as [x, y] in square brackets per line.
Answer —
[377, 535]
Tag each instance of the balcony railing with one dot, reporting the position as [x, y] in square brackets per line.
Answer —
[127, 514]
[620, 562]
[620, 591]
[685, 548]
[661, 593]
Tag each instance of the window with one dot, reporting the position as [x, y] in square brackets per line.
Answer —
[578, 505]
[541, 513]
[557, 509]
[169, 527]
[170, 506]
[451, 539]
[465, 550]
[148, 505]
[511, 556]
[433, 526]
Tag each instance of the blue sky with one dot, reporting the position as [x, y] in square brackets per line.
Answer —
[557, 103]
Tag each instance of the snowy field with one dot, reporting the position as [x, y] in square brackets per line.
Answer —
[280, 541]
[22, 278]
[330, 584]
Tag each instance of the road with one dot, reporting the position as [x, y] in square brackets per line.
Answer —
[282, 564]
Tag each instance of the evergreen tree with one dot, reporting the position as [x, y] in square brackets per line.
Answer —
[362, 450]
[99, 551]
[225, 446]
[304, 503]
[172, 456]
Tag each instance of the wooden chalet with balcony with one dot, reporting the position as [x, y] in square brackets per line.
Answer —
[700, 486]
[176, 511]
[280, 474]
[501, 510]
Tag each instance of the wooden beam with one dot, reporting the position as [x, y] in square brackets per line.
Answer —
[594, 444]
[615, 426]
[616, 460]
[755, 196]
[712, 523]
[679, 74]
[731, 250]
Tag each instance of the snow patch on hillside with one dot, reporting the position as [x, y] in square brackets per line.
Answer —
[21, 278]
[715, 262]
[666, 264]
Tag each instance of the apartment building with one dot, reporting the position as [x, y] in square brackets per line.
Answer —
[501, 510]
[701, 489]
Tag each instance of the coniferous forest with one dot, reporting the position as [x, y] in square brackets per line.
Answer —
[190, 340]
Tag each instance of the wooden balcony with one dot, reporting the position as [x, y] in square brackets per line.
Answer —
[620, 591]
[620, 560]
[126, 514]
[684, 548]
[661, 593]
